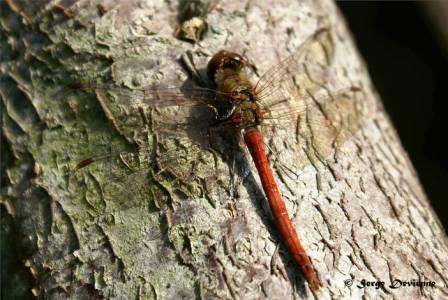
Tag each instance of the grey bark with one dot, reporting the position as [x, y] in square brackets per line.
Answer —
[361, 213]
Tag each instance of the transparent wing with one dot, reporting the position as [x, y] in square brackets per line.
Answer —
[175, 123]
[302, 114]
[305, 69]
[179, 165]
[315, 126]
[101, 169]
[180, 154]
[177, 108]
[155, 96]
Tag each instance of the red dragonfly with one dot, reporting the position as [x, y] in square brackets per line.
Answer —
[288, 94]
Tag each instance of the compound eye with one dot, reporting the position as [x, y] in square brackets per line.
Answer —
[232, 63]
[224, 60]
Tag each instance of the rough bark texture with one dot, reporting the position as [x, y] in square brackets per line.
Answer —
[361, 213]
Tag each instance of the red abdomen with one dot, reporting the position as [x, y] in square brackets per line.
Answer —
[254, 142]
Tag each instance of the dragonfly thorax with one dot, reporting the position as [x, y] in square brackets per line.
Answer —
[227, 70]
[247, 114]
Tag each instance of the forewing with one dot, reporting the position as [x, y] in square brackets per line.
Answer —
[306, 70]
[128, 109]
[156, 96]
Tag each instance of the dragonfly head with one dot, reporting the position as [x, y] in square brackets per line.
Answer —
[224, 62]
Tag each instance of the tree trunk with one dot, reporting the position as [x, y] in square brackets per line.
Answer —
[361, 213]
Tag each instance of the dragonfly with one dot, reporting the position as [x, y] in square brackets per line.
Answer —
[288, 96]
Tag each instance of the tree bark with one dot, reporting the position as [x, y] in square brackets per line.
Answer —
[361, 213]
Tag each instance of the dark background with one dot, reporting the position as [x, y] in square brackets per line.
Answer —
[408, 66]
